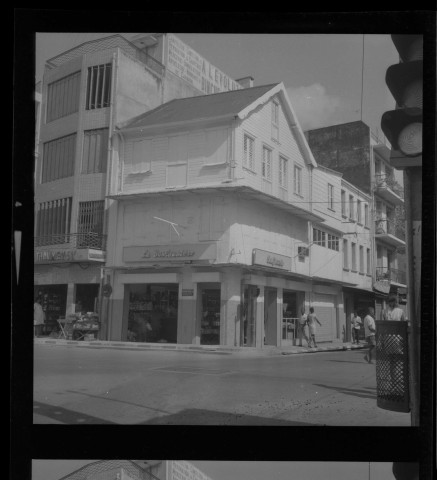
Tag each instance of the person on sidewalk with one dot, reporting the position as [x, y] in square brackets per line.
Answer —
[393, 312]
[301, 327]
[356, 326]
[312, 319]
[38, 318]
[369, 332]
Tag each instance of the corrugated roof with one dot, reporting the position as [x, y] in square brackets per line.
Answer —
[202, 106]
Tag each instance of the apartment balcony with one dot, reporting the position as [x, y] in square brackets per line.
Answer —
[391, 274]
[70, 247]
[388, 232]
[387, 188]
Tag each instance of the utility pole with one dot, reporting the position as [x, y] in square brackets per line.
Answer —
[403, 128]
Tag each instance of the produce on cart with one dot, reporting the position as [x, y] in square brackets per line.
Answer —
[86, 327]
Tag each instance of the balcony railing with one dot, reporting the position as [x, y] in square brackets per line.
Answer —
[388, 227]
[392, 274]
[383, 180]
[73, 240]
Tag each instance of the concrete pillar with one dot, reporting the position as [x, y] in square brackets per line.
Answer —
[114, 312]
[187, 311]
[279, 315]
[70, 305]
[230, 295]
[259, 343]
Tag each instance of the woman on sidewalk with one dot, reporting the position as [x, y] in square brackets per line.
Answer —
[38, 318]
[369, 331]
[312, 319]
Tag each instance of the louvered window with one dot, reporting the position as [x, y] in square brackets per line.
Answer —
[95, 151]
[53, 219]
[58, 158]
[248, 154]
[63, 97]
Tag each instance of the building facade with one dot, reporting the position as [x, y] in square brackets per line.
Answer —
[363, 159]
[85, 91]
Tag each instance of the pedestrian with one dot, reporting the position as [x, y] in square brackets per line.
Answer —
[393, 312]
[38, 318]
[312, 319]
[302, 322]
[356, 326]
[369, 332]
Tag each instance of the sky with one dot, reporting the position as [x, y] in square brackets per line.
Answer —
[236, 470]
[326, 75]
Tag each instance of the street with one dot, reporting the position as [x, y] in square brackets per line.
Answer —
[122, 386]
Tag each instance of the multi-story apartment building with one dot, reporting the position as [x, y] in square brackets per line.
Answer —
[363, 159]
[85, 92]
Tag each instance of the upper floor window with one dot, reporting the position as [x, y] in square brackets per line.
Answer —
[283, 172]
[267, 163]
[53, 219]
[275, 120]
[345, 254]
[95, 151]
[343, 203]
[330, 196]
[354, 256]
[359, 214]
[63, 97]
[368, 261]
[249, 153]
[366, 215]
[58, 158]
[361, 259]
[90, 217]
[98, 90]
[333, 242]
[351, 207]
[297, 180]
[319, 237]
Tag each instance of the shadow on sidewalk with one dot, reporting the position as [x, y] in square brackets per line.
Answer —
[362, 392]
[64, 415]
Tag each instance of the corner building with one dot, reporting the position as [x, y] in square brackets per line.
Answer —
[209, 227]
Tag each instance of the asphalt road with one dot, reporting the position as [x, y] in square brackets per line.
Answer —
[117, 386]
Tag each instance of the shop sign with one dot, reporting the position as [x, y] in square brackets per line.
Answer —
[67, 255]
[186, 63]
[166, 253]
[382, 286]
[269, 259]
[188, 292]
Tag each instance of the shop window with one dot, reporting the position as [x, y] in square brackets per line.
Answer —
[95, 151]
[58, 158]
[63, 97]
[153, 313]
[98, 86]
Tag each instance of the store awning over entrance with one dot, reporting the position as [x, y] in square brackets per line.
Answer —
[242, 190]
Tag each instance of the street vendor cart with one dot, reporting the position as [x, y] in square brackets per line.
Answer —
[86, 327]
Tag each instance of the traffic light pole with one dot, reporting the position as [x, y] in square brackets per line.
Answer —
[413, 204]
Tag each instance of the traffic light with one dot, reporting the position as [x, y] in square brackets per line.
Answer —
[403, 126]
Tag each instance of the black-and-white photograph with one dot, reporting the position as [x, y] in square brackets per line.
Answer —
[220, 240]
[219, 470]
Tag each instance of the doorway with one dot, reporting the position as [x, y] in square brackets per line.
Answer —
[248, 324]
[210, 315]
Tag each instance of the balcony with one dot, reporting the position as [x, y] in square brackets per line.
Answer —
[92, 240]
[391, 274]
[387, 188]
[387, 231]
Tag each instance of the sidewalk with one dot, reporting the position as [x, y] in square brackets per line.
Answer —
[215, 349]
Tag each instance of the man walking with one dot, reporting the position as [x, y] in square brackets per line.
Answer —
[301, 326]
[356, 326]
[369, 332]
[312, 319]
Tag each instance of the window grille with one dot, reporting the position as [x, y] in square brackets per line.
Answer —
[53, 218]
[95, 151]
[90, 218]
[98, 86]
[58, 158]
[63, 97]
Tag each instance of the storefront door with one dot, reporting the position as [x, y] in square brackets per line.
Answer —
[153, 313]
[270, 316]
[289, 316]
[210, 316]
[248, 324]
[86, 297]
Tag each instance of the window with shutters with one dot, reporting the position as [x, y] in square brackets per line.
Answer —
[53, 221]
[95, 151]
[249, 153]
[330, 196]
[267, 163]
[98, 92]
[63, 97]
[58, 158]
[283, 172]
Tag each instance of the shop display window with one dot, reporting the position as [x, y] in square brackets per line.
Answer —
[54, 302]
[153, 313]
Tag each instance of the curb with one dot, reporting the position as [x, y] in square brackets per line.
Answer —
[193, 348]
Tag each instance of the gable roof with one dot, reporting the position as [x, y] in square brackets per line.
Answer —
[224, 104]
